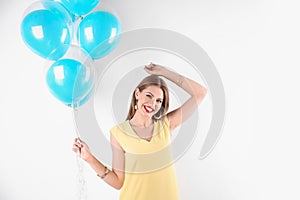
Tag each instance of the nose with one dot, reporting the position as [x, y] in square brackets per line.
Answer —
[152, 103]
[155, 104]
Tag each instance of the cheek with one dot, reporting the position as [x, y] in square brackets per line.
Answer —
[142, 100]
[158, 106]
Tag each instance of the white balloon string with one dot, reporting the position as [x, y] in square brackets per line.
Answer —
[75, 29]
[80, 175]
[81, 180]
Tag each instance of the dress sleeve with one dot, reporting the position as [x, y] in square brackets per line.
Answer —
[114, 132]
[166, 125]
[165, 121]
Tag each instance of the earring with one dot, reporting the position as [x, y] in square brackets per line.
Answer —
[135, 105]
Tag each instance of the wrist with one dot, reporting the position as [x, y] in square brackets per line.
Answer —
[164, 71]
[91, 160]
[105, 172]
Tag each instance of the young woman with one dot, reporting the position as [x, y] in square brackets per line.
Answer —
[142, 165]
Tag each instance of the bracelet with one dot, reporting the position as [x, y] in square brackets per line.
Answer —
[179, 81]
[106, 171]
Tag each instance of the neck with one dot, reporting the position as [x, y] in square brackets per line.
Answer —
[141, 121]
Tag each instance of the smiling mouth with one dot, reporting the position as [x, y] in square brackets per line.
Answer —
[148, 109]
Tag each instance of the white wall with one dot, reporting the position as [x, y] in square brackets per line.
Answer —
[255, 47]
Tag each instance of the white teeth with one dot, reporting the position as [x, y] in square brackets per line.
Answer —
[148, 109]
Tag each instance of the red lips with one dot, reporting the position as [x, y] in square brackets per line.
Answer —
[148, 109]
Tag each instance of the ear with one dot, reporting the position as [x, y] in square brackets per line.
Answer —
[136, 93]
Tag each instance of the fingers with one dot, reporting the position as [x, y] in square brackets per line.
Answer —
[150, 66]
[75, 149]
[77, 140]
[80, 142]
[149, 69]
[77, 145]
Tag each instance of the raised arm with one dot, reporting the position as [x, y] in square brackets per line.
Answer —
[196, 91]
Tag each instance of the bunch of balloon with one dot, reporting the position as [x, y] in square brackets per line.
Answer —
[70, 35]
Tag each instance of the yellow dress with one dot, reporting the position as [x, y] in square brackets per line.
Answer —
[149, 170]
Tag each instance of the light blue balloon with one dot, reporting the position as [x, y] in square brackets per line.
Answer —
[69, 81]
[99, 33]
[46, 34]
[87, 97]
[59, 9]
[80, 7]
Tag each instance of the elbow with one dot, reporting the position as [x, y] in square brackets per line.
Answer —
[201, 94]
[204, 91]
[117, 180]
[119, 186]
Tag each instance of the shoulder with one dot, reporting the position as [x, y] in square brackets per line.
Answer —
[164, 123]
[121, 129]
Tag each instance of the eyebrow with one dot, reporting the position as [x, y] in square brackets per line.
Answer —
[153, 95]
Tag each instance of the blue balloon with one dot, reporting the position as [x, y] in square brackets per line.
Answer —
[70, 82]
[59, 9]
[98, 33]
[46, 34]
[80, 7]
[82, 101]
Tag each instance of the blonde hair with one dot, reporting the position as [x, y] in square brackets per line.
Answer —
[149, 81]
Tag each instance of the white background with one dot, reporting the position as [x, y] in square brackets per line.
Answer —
[255, 47]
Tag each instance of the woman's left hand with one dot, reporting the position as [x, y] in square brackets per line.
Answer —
[155, 69]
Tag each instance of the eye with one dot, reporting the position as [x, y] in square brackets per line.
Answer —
[149, 96]
[159, 101]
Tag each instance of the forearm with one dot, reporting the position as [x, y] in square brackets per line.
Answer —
[111, 178]
[191, 87]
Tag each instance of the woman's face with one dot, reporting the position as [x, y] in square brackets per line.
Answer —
[149, 100]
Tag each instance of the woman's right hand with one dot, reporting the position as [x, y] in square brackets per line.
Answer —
[154, 69]
[83, 150]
